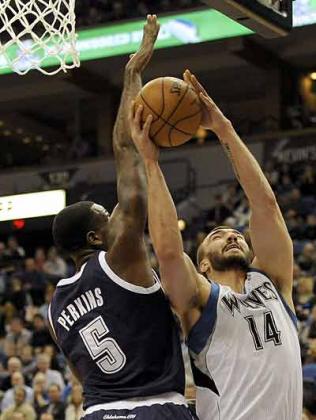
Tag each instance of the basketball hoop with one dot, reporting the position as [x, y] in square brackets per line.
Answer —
[36, 34]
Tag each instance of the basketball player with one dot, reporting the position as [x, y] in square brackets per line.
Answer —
[238, 317]
[111, 319]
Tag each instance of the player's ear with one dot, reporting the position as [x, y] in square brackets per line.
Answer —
[204, 265]
[93, 238]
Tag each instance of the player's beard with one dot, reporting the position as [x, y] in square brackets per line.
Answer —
[230, 262]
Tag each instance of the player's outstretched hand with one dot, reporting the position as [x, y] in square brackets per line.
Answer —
[140, 135]
[141, 58]
[212, 117]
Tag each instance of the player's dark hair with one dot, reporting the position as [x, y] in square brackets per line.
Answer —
[71, 225]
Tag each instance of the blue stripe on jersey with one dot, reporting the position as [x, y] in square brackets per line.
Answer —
[288, 310]
[204, 327]
[291, 314]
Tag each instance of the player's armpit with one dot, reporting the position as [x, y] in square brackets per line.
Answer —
[187, 290]
[273, 247]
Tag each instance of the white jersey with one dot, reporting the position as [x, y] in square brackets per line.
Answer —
[246, 355]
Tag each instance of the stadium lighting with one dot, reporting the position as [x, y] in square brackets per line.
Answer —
[182, 224]
[25, 206]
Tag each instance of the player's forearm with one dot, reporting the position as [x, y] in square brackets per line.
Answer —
[121, 132]
[247, 169]
[162, 214]
[131, 178]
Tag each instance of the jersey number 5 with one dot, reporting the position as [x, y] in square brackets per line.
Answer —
[93, 336]
[271, 333]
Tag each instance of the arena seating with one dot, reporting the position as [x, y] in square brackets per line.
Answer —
[27, 280]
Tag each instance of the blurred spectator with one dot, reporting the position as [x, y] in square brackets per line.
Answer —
[311, 353]
[46, 416]
[74, 411]
[16, 338]
[39, 259]
[309, 331]
[33, 281]
[218, 213]
[17, 295]
[310, 227]
[8, 398]
[308, 181]
[56, 407]
[307, 259]
[309, 400]
[14, 365]
[51, 376]
[41, 336]
[49, 291]
[3, 255]
[40, 394]
[55, 265]
[20, 406]
[28, 361]
[14, 250]
[305, 296]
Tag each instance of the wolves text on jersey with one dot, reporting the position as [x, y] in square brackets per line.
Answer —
[255, 299]
[81, 305]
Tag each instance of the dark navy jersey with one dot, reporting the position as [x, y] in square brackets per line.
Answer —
[122, 339]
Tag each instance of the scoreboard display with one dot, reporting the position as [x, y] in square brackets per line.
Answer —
[269, 18]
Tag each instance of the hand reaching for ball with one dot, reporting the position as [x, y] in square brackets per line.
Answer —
[141, 58]
[212, 117]
[140, 134]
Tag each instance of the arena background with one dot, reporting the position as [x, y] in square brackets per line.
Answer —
[55, 134]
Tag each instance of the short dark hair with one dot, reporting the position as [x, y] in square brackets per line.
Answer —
[71, 226]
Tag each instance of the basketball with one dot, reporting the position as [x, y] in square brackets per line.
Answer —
[175, 107]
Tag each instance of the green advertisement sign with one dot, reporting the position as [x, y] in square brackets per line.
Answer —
[181, 29]
[119, 39]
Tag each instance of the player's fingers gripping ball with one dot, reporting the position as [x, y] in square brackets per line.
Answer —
[175, 107]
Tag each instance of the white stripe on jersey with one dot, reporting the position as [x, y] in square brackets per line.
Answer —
[248, 345]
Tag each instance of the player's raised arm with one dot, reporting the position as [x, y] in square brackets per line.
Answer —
[269, 236]
[130, 172]
[185, 287]
[129, 217]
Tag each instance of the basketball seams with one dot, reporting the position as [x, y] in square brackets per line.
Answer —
[165, 122]
[178, 129]
[166, 119]
[163, 95]
[151, 109]
[178, 104]
[185, 118]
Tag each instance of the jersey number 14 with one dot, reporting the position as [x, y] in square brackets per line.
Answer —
[271, 333]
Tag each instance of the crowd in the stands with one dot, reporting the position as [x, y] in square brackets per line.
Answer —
[35, 382]
[94, 12]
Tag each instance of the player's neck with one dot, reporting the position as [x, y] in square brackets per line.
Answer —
[235, 279]
[81, 257]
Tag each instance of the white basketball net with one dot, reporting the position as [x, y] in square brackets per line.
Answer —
[37, 34]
